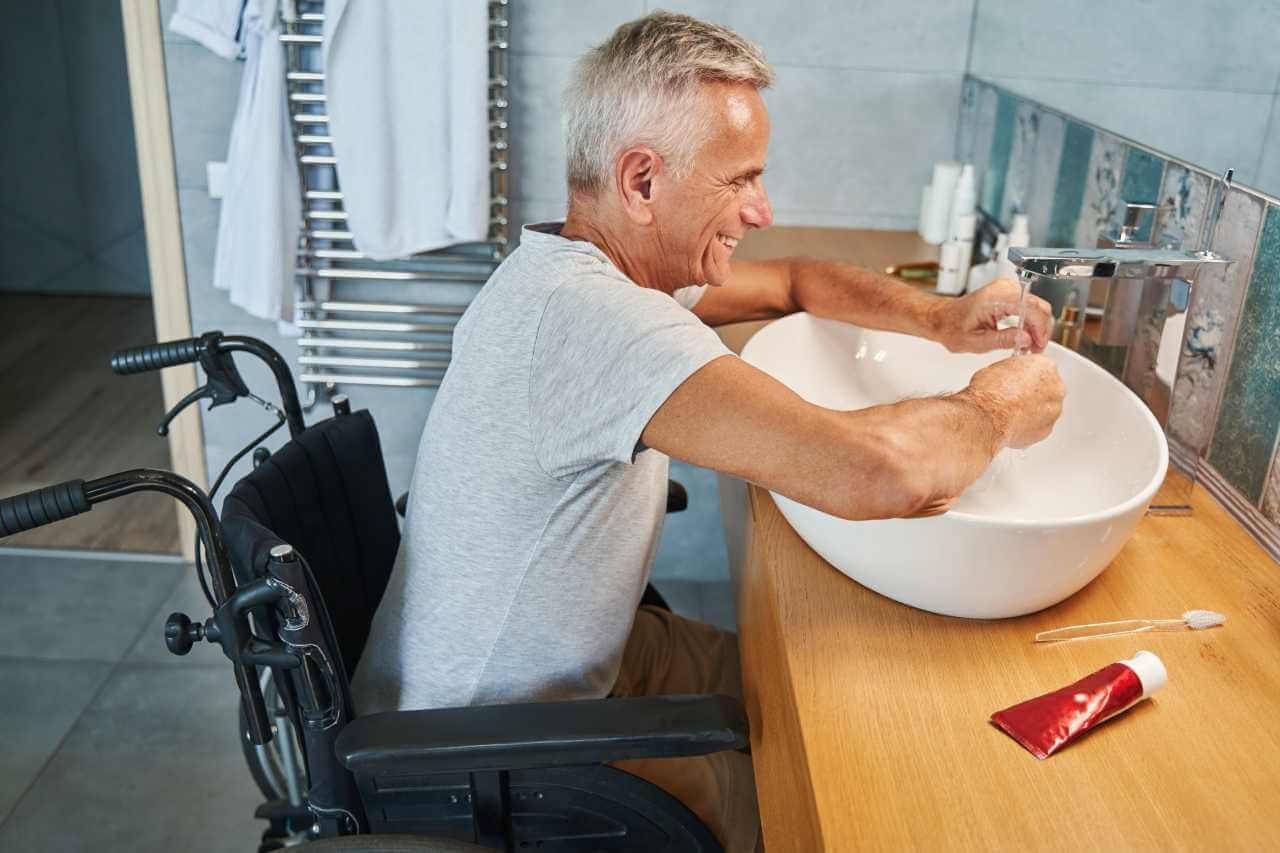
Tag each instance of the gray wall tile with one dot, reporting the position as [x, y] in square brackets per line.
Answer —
[831, 154]
[1268, 175]
[1132, 43]
[1159, 117]
[692, 546]
[537, 150]
[203, 91]
[567, 27]
[867, 34]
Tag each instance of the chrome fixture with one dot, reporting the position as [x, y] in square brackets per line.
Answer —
[1158, 264]
[1125, 309]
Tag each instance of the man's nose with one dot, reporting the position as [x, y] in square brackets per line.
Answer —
[757, 212]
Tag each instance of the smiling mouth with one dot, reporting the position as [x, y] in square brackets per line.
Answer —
[727, 241]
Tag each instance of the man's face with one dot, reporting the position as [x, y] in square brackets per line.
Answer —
[701, 217]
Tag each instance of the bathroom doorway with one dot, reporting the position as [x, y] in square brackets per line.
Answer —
[74, 282]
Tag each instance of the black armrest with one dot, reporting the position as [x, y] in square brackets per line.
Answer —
[677, 497]
[541, 734]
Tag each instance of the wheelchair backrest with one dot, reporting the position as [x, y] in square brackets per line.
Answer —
[326, 494]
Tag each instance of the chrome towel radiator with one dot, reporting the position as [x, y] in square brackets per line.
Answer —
[367, 322]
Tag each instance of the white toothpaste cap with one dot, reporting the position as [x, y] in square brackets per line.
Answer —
[1150, 671]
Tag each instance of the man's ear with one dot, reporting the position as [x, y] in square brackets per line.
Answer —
[637, 168]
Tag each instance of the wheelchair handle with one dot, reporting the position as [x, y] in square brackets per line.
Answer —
[213, 351]
[54, 503]
[39, 507]
[155, 356]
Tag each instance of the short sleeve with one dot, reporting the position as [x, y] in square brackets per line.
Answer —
[606, 356]
[688, 297]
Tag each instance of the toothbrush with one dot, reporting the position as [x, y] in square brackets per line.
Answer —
[1194, 619]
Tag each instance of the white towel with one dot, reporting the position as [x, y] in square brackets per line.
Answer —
[407, 89]
[261, 206]
[213, 23]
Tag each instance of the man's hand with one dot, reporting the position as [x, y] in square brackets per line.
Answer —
[969, 324]
[1022, 394]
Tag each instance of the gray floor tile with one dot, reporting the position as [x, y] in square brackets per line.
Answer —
[42, 701]
[187, 598]
[153, 764]
[70, 608]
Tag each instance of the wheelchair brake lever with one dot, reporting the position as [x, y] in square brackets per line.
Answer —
[223, 382]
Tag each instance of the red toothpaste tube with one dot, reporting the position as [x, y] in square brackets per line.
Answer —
[1047, 723]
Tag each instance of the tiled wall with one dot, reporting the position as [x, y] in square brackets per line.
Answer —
[1073, 179]
[70, 209]
[1200, 79]
[864, 101]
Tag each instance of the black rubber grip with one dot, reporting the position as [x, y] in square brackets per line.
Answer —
[41, 507]
[156, 356]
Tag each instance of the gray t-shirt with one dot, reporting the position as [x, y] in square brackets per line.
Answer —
[535, 510]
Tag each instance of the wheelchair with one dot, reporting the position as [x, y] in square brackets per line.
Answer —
[297, 566]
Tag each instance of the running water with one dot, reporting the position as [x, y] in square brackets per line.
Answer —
[1023, 284]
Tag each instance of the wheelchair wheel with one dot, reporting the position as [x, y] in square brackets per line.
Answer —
[276, 767]
[390, 844]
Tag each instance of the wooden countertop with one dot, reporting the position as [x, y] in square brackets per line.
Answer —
[870, 718]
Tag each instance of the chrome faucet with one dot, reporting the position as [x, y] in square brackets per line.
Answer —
[1158, 264]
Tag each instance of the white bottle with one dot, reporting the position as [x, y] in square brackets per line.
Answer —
[983, 274]
[941, 193]
[923, 225]
[957, 252]
[964, 199]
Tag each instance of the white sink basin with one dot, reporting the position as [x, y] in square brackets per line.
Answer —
[1038, 526]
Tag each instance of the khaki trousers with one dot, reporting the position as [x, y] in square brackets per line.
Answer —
[667, 654]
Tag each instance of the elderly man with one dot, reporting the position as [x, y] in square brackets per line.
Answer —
[588, 359]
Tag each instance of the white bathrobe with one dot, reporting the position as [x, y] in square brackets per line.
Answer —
[407, 88]
[261, 206]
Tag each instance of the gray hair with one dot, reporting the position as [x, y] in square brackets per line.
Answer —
[641, 87]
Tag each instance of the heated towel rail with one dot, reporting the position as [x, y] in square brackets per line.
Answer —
[367, 322]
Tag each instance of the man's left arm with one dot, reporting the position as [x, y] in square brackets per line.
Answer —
[761, 290]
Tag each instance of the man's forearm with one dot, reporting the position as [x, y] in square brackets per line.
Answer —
[863, 297]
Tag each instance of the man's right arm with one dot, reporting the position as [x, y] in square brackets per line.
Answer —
[891, 461]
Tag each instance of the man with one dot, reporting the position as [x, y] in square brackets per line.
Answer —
[588, 359]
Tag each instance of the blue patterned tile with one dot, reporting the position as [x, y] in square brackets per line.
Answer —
[1001, 149]
[1100, 207]
[1018, 176]
[1142, 175]
[1211, 325]
[966, 131]
[1045, 163]
[1073, 177]
[1244, 442]
[1184, 199]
